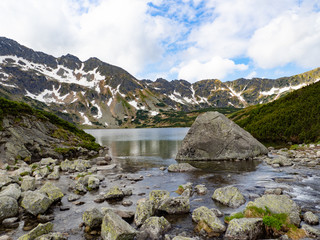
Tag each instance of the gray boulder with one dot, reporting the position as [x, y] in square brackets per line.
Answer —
[229, 196]
[145, 209]
[155, 227]
[311, 231]
[311, 218]
[245, 229]
[55, 175]
[92, 218]
[208, 221]
[36, 202]
[201, 189]
[115, 228]
[53, 236]
[8, 207]
[175, 205]
[53, 192]
[5, 180]
[214, 137]
[39, 230]
[279, 204]
[157, 196]
[12, 190]
[114, 193]
[181, 167]
[28, 183]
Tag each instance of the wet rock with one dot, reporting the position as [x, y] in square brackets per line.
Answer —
[134, 177]
[114, 193]
[155, 227]
[208, 221]
[162, 168]
[76, 165]
[64, 208]
[311, 218]
[157, 196]
[11, 222]
[175, 205]
[13, 190]
[115, 228]
[181, 167]
[182, 238]
[186, 193]
[93, 182]
[214, 137]
[217, 212]
[99, 199]
[108, 167]
[276, 191]
[73, 197]
[53, 192]
[126, 215]
[41, 229]
[201, 189]
[144, 210]
[55, 175]
[52, 236]
[127, 203]
[127, 192]
[45, 218]
[36, 202]
[282, 161]
[229, 196]
[245, 229]
[311, 231]
[279, 204]
[28, 183]
[92, 218]
[8, 207]
[48, 161]
[78, 203]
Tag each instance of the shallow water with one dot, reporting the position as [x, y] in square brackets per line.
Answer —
[143, 151]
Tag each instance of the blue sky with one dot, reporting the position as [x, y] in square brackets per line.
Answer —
[174, 39]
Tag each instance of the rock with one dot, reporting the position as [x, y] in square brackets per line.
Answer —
[36, 202]
[114, 193]
[93, 182]
[41, 229]
[42, 172]
[127, 203]
[5, 180]
[28, 183]
[145, 209]
[175, 205]
[155, 227]
[282, 161]
[99, 199]
[92, 218]
[127, 192]
[214, 137]
[73, 197]
[157, 196]
[10, 222]
[5, 237]
[108, 167]
[229, 196]
[182, 238]
[12, 190]
[279, 204]
[310, 231]
[48, 161]
[311, 218]
[162, 168]
[23, 171]
[53, 192]
[76, 165]
[245, 229]
[217, 212]
[45, 218]
[186, 193]
[8, 207]
[134, 177]
[181, 167]
[276, 191]
[208, 221]
[115, 228]
[80, 187]
[55, 175]
[52, 236]
[126, 215]
[201, 189]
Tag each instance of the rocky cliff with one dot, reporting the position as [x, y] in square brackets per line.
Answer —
[97, 94]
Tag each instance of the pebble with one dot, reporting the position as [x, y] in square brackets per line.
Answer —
[64, 208]
[79, 203]
[127, 203]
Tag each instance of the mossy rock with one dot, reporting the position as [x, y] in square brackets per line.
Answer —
[157, 196]
[41, 229]
[92, 218]
[145, 209]
[114, 193]
[229, 196]
[245, 229]
[53, 192]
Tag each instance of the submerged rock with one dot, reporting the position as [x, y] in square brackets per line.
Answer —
[181, 167]
[229, 196]
[41, 229]
[155, 227]
[214, 137]
[245, 229]
[115, 228]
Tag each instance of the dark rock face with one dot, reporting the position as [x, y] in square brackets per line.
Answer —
[214, 137]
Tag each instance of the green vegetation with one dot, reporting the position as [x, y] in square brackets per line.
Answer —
[292, 118]
[238, 215]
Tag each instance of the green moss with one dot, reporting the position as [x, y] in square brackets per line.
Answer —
[275, 221]
[238, 215]
[24, 174]
[64, 150]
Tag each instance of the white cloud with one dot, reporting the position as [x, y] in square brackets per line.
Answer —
[290, 38]
[251, 75]
[217, 67]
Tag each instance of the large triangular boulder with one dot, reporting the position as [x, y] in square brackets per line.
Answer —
[214, 137]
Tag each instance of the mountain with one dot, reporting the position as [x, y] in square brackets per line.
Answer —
[292, 118]
[29, 134]
[97, 94]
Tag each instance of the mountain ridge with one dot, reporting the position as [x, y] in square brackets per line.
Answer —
[97, 94]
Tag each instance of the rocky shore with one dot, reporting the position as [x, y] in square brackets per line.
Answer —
[33, 195]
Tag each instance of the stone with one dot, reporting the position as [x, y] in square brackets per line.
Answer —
[114, 193]
[99, 199]
[48, 161]
[73, 197]
[8, 207]
[157, 196]
[214, 137]
[279, 204]
[155, 227]
[311, 218]
[276, 191]
[12, 190]
[144, 210]
[36, 202]
[311, 231]
[93, 182]
[5, 237]
[181, 167]
[55, 175]
[5, 180]
[182, 238]
[10, 222]
[283, 161]
[41, 229]
[201, 189]
[208, 221]
[134, 177]
[53, 192]
[92, 218]
[217, 212]
[28, 183]
[76, 165]
[126, 215]
[245, 229]
[52, 236]
[127, 203]
[115, 228]
[175, 205]
[42, 172]
[229, 196]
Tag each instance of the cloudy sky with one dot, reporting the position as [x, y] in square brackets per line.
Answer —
[174, 39]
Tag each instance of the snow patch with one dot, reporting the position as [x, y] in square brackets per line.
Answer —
[278, 91]
[154, 113]
[99, 115]
[86, 120]
[174, 98]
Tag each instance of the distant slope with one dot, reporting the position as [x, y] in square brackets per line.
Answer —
[292, 118]
[29, 134]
